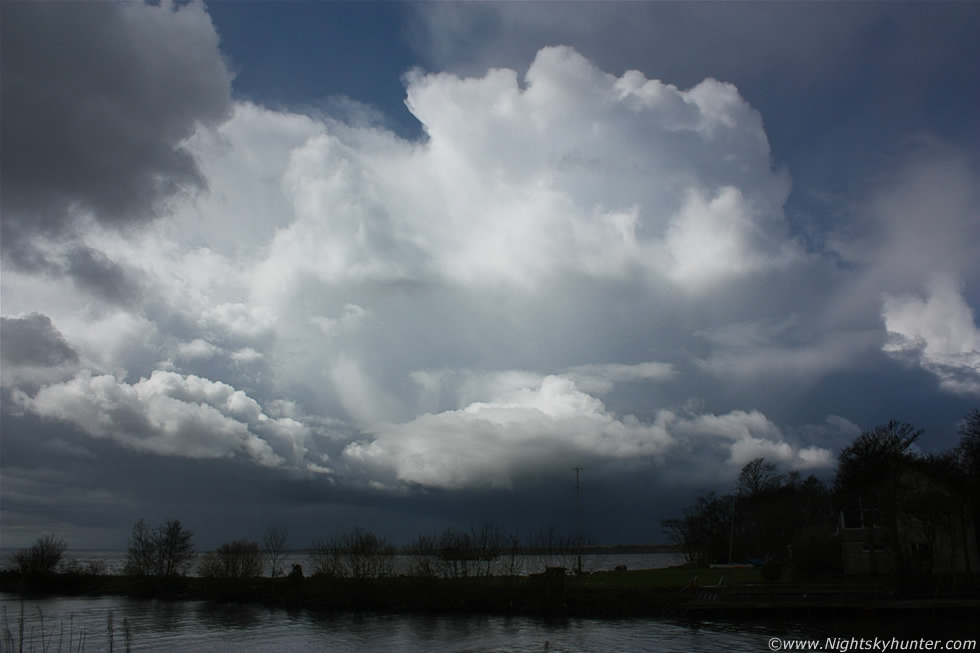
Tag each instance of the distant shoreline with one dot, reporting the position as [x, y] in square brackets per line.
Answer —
[604, 549]
[681, 592]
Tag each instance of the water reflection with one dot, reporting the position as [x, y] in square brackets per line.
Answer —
[200, 626]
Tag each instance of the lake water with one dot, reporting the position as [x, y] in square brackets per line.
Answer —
[81, 622]
[190, 626]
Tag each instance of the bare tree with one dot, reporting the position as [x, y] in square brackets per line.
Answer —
[512, 563]
[142, 551]
[557, 548]
[369, 556]
[358, 554]
[325, 557]
[457, 557]
[166, 551]
[274, 544]
[235, 560]
[759, 476]
[423, 552]
[488, 544]
[175, 546]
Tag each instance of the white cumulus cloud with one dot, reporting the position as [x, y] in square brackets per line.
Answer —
[170, 414]
[939, 333]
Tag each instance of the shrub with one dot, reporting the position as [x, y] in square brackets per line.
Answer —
[237, 560]
[42, 557]
[358, 554]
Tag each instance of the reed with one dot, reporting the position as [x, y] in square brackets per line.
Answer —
[24, 640]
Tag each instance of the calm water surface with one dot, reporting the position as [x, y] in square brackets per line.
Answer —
[201, 626]
[190, 626]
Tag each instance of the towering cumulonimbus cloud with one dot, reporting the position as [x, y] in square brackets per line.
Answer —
[563, 266]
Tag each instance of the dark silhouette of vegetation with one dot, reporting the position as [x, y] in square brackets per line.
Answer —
[456, 554]
[274, 544]
[40, 558]
[239, 560]
[488, 545]
[163, 552]
[937, 497]
[422, 557]
[704, 530]
[759, 522]
[483, 551]
[919, 513]
[967, 457]
[870, 471]
[558, 548]
[359, 554]
[759, 476]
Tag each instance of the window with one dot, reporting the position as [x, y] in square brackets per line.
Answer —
[852, 517]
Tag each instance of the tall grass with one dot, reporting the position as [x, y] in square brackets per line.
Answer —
[36, 637]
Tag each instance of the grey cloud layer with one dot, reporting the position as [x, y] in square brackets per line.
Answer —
[33, 340]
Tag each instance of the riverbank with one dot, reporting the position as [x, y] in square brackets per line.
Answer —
[674, 591]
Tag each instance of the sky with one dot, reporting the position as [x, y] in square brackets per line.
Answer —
[404, 266]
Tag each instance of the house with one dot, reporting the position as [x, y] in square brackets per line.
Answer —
[934, 528]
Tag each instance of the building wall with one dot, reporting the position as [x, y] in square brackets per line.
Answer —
[944, 554]
[857, 554]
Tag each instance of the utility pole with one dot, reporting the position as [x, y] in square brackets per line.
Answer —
[578, 522]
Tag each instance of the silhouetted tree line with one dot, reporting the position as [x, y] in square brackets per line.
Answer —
[756, 523]
[358, 554]
[240, 559]
[483, 551]
[159, 556]
[935, 497]
[880, 480]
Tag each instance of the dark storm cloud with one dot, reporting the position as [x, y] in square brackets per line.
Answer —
[33, 340]
[55, 470]
[96, 100]
[100, 275]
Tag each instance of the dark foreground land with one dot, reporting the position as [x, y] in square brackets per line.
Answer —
[733, 592]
